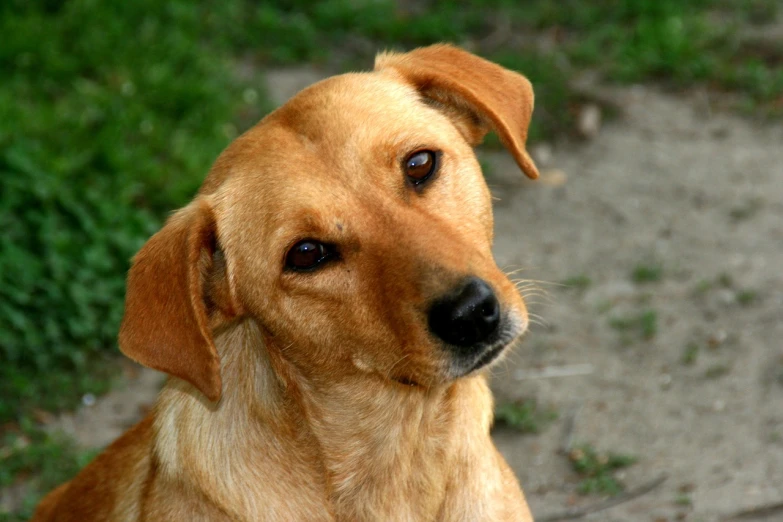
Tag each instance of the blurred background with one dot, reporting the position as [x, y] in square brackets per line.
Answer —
[112, 112]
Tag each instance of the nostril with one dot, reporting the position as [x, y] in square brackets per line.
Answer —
[490, 308]
[467, 316]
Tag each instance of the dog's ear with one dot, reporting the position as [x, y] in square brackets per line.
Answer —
[166, 326]
[484, 95]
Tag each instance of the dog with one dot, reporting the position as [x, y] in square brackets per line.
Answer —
[326, 308]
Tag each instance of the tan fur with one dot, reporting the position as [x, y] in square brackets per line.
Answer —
[321, 396]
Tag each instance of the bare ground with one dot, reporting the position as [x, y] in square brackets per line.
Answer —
[700, 398]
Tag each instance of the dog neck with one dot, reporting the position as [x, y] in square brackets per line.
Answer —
[381, 442]
[353, 446]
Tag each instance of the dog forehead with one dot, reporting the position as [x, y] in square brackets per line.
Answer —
[345, 102]
[338, 144]
[361, 117]
[331, 126]
[348, 130]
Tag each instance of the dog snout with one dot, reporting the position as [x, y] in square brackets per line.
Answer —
[466, 317]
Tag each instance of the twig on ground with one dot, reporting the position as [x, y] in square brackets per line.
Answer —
[567, 440]
[756, 512]
[629, 495]
[568, 370]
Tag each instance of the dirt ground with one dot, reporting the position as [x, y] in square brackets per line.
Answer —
[698, 395]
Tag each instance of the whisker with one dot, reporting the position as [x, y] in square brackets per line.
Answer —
[537, 300]
[286, 347]
[526, 286]
[539, 281]
[534, 293]
[393, 366]
[516, 271]
[538, 321]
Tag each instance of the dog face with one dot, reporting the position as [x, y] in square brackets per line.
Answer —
[353, 224]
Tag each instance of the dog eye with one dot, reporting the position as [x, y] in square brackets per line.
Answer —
[420, 166]
[307, 255]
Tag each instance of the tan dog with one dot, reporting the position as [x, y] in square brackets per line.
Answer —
[326, 305]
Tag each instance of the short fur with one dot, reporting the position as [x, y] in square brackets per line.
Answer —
[322, 396]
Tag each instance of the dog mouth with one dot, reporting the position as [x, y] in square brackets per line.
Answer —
[405, 381]
[487, 357]
[472, 359]
[490, 352]
[462, 368]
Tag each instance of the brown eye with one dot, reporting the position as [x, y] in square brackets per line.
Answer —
[420, 166]
[306, 255]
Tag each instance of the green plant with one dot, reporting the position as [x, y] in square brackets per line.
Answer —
[725, 280]
[524, 416]
[690, 354]
[683, 499]
[63, 254]
[644, 273]
[579, 282]
[746, 210]
[645, 323]
[597, 469]
[717, 371]
[41, 460]
[107, 124]
[747, 297]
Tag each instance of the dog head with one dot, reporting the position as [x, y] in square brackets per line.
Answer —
[353, 225]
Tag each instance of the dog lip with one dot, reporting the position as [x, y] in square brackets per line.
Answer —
[494, 349]
[488, 356]
[405, 381]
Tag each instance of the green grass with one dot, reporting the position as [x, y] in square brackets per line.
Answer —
[747, 297]
[676, 42]
[579, 282]
[744, 297]
[647, 273]
[38, 459]
[108, 122]
[683, 499]
[643, 323]
[597, 470]
[523, 416]
[716, 371]
[690, 354]
[747, 209]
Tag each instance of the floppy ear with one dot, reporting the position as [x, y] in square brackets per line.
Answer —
[165, 325]
[488, 94]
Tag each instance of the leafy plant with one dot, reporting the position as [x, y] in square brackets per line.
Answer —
[647, 273]
[578, 282]
[645, 323]
[40, 459]
[524, 416]
[106, 124]
[597, 469]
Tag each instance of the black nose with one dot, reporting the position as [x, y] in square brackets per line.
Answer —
[467, 316]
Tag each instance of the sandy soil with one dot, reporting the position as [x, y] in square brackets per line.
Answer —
[702, 195]
[668, 184]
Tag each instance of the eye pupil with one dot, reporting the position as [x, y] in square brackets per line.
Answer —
[419, 166]
[305, 255]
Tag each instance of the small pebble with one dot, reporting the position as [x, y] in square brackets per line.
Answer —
[717, 338]
[588, 124]
[727, 297]
[543, 154]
